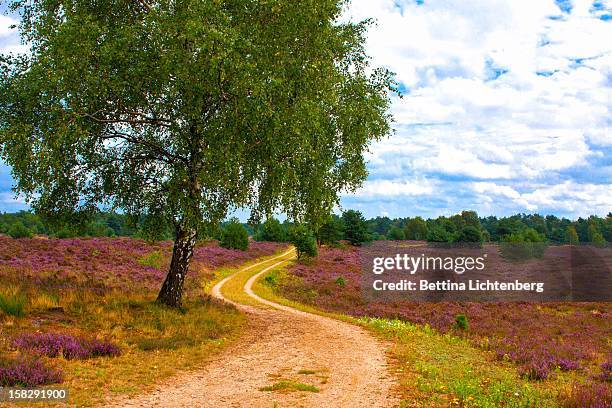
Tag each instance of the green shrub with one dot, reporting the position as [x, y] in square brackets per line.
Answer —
[598, 240]
[355, 228]
[439, 234]
[271, 279]
[470, 234]
[153, 259]
[523, 245]
[332, 231]
[340, 281]
[571, 236]
[304, 242]
[235, 236]
[272, 231]
[66, 232]
[13, 304]
[416, 229]
[461, 322]
[396, 234]
[18, 230]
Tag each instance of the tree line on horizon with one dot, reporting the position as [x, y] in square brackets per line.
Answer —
[350, 226]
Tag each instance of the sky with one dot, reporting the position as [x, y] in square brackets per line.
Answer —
[505, 108]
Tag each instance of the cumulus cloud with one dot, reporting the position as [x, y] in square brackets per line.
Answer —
[506, 106]
[394, 188]
[9, 38]
[5, 26]
[504, 101]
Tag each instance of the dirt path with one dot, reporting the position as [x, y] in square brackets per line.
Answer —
[344, 362]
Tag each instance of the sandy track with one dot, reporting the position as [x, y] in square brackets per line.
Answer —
[346, 363]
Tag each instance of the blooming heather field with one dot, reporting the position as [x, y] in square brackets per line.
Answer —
[80, 311]
[109, 263]
[542, 340]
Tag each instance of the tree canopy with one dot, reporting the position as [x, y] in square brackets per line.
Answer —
[181, 111]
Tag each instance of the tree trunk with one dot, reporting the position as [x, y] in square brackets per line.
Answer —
[172, 290]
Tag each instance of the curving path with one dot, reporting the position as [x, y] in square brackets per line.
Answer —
[346, 364]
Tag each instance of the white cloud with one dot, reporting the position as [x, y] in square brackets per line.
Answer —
[5, 24]
[497, 90]
[394, 188]
[9, 198]
[9, 38]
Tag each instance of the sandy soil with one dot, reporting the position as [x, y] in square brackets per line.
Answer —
[346, 364]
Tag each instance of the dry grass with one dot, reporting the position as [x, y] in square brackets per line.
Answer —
[156, 341]
[290, 386]
[79, 297]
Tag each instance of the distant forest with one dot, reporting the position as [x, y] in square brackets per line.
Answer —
[464, 227]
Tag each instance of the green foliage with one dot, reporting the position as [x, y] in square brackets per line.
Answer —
[438, 233]
[379, 226]
[442, 230]
[340, 281]
[332, 231]
[290, 386]
[155, 259]
[304, 241]
[12, 303]
[598, 239]
[179, 111]
[18, 230]
[271, 230]
[523, 245]
[101, 224]
[355, 227]
[271, 279]
[508, 226]
[594, 234]
[461, 322]
[396, 234]
[235, 236]
[571, 236]
[470, 234]
[531, 235]
[416, 229]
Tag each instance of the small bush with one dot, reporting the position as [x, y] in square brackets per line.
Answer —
[70, 347]
[271, 279]
[27, 373]
[304, 242]
[461, 322]
[235, 236]
[18, 230]
[153, 259]
[340, 281]
[13, 303]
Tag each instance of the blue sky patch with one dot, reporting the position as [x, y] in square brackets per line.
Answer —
[564, 5]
